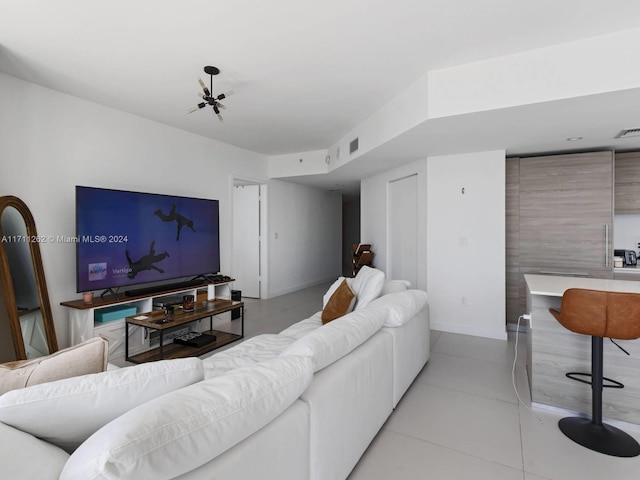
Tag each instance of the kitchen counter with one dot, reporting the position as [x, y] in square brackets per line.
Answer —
[632, 269]
[553, 351]
[555, 286]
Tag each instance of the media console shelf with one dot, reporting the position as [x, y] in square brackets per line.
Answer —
[84, 324]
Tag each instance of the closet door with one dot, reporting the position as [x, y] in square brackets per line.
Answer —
[403, 230]
[566, 213]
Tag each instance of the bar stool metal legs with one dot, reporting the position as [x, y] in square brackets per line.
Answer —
[591, 432]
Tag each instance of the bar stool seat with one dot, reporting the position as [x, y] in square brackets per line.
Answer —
[599, 314]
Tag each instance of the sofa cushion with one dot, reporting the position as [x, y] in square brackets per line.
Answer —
[249, 352]
[401, 306]
[67, 412]
[182, 430]
[303, 327]
[334, 340]
[367, 285]
[25, 457]
[341, 302]
[87, 357]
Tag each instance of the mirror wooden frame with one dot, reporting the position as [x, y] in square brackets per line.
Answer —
[7, 287]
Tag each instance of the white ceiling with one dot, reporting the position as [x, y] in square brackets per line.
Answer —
[306, 72]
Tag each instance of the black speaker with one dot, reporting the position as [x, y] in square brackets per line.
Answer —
[236, 296]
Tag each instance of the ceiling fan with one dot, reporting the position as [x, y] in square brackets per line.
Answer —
[208, 97]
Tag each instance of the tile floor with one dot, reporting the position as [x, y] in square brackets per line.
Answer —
[461, 418]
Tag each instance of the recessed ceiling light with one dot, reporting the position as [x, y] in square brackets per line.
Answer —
[573, 139]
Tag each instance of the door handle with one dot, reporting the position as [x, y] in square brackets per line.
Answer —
[606, 245]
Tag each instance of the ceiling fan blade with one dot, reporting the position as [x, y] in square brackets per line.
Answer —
[204, 87]
[197, 107]
[220, 118]
[221, 106]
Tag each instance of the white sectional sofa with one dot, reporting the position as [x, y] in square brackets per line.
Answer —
[303, 404]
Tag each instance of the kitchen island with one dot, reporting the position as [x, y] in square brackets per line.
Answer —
[553, 351]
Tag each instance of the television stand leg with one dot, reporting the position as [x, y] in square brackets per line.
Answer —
[109, 290]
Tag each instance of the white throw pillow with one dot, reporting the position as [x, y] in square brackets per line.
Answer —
[401, 306]
[367, 285]
[184, 429]
[391, 286]
[66, 412]
[335, 339]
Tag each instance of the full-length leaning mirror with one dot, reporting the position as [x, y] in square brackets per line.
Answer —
[26, 324]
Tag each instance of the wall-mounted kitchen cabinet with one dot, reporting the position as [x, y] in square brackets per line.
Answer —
[563, 222]
[627, 182]
[566, 212]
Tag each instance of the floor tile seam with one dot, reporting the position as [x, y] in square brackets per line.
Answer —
[520, 430]
[424, 379]
[427, 382]
[468, 357]
[447, 447]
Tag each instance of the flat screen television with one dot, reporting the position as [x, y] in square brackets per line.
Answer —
[128, 238]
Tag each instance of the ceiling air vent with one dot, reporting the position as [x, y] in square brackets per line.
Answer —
[629, 132]
[353, 146]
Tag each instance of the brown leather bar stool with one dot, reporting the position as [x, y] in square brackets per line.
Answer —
[599, 314]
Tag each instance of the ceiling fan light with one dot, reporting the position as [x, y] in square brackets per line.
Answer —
[208, 97]
[204, 87]
[197, 107]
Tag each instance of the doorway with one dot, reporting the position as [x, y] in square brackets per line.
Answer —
[403, 229]
[248, 248]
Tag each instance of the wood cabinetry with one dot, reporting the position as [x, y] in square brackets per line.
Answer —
[627, 182]
[559, 218]
[566, 212]
[512, 239]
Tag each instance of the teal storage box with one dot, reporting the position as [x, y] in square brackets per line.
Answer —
[117, 312]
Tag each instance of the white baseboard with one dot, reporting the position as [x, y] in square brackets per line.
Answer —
[495, 333]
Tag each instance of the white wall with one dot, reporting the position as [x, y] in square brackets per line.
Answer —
[626, 231]
[50, 142]
[583, 67]
[305, 236]
[466, 243]
[447, 270]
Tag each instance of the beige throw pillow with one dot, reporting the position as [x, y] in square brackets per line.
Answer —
[90, 356]
[341, 302]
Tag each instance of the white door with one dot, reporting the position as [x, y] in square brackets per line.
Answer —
[246, 240]
[403, 230]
